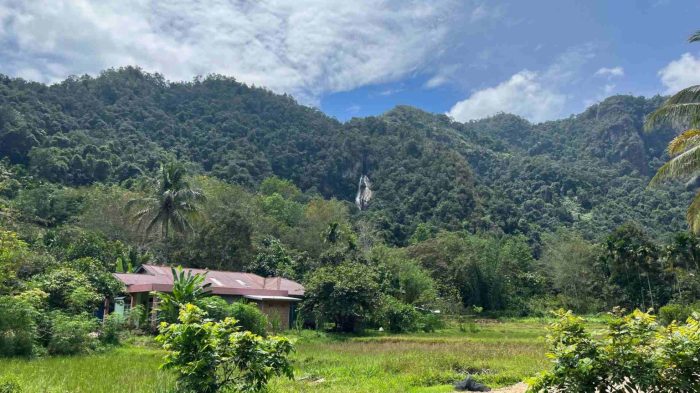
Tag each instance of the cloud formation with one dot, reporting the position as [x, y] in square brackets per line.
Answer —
[681, 73]
[303, 48]
[523, 94]
[535, 96]
[610, 72]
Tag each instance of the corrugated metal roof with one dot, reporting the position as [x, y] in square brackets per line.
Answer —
[160, 278]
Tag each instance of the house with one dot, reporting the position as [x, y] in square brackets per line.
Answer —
[275, 296]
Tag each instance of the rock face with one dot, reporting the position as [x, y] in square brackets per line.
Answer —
[364, 193]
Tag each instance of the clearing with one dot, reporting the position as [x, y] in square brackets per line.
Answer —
[497, 353]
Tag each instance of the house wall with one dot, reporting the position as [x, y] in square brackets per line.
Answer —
[276, 310]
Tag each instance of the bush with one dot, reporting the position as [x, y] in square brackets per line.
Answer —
[9, 384]
[72, 334]
[215, 307]
[112, 328]
[430, 322]
[200, 353]
[674, 312]
[18, 329]
[398, 317]
[634, 354]
[136, 317]
[249, 317]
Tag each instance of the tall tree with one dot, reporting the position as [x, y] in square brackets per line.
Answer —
[172, 204]
[684, 150]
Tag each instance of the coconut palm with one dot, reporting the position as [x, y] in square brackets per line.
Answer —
[172, 204]
[683, 108]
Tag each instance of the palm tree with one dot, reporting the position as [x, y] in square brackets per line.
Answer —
[188, 288]
[684, 150]
[172, 204]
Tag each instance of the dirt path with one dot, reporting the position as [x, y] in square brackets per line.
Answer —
[518, 388]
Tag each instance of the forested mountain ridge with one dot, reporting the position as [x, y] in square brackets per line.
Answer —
[500, 174]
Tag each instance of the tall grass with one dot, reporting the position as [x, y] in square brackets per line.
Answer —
[496, 353]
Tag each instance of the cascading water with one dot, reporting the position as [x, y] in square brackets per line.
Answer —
[364, 193]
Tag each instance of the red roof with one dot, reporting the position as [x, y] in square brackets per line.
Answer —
[159, 278]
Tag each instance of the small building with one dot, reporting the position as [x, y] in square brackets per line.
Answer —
[275, 296]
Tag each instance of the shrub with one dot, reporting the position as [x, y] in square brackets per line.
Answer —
[344, 294]
[399, 317]
[215, 307]
[112, 328]
[18, 329]
[136, 317]
[674, 312]
[72, 334]
[249, 317]
[9, 384]
[210, 357]
[430, 322]
[634, 354]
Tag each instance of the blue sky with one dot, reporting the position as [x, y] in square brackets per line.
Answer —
[539, 59]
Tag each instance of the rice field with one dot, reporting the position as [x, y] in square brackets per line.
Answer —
[497, 353]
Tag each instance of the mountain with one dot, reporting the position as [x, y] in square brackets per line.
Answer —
[588, 172]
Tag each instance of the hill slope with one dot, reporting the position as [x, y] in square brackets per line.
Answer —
[588, 172]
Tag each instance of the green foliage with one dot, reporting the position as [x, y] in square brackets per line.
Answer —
[344, 294]
[172, 203]
[9, 384]
[18, 327]
[634, 354]
[568, 261]
[188, 288]
[674, 312]
[136, 317]
[272, 260]
[49, 205]
[398, 317]
[13, 254]
[211, 357]
[68, 289]
[631, 263]
[72, 334]
[248, 316]
[111, 329]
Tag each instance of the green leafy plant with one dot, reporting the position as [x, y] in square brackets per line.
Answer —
[187, 288]
[9, 384]
[211, 357]
[634, 354]
[72, 334]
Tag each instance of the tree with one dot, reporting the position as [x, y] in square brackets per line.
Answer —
[188, 288]
[344, 294]
[272, 260]
[684, 150]
[172, 204]
[211, 357]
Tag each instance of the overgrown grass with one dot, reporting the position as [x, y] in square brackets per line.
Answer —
[497, 353]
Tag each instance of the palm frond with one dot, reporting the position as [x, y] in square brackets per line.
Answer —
[695, 37]
[159, 218]
[686, 140]
[692, 215]
[688, 113]
[685, 164]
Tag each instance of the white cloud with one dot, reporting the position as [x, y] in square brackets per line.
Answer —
[523, 94]
[681, 73]
[304, 48]
[532, 95]
[610, 72]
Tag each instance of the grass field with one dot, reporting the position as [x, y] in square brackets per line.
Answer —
[498, 353]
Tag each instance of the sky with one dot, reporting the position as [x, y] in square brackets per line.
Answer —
[469, 59]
